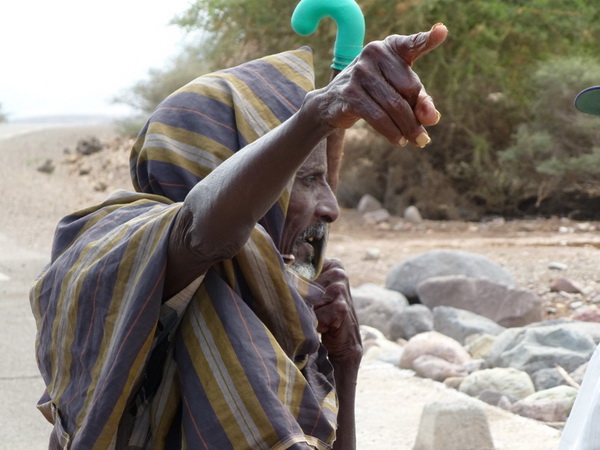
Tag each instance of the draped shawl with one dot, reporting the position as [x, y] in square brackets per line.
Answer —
[232, 361]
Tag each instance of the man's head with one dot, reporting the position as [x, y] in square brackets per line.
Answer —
[311, 207]
[588, 101]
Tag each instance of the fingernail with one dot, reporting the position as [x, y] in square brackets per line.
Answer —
[403, 141]
[439, 116]
[422, 140]
[439, 24]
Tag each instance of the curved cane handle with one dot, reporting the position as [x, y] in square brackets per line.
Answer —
[349, 19]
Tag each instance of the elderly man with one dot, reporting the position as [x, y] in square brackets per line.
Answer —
[581, 431]
[200, 312]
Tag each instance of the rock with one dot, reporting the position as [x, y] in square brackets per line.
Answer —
[592, 329]
[435, 344]
[88, 146]
[406, 276]
[410, 321]
[453, 382]
[480, 346]
[412, 215]
[550, 405]
[591, 314]
[496, 398]
[377, 347]
[507, 381]
[376, 217]
[460, 324]
[557, 266]
[375, 306]
[565, 285]
[438, 369]
[506, 305]
[533, 348]
[47, 167]
[372, 254]
[577, 374]
[547, 378]
[368, 203]
[453, 425]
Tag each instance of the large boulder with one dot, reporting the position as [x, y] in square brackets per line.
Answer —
[534, 348]
[406, 276]
[506, 305]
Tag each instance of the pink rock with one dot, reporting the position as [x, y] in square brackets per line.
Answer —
[565, 285]
[587, 315]
[438, 369]
[434, 344]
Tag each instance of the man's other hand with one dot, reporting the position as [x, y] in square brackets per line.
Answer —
[336, 316]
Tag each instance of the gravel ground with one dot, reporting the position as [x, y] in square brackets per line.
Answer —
[389, 400]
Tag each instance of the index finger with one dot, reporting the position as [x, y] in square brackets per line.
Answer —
[410, 48]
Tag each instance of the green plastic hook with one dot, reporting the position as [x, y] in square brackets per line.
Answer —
[350, 26]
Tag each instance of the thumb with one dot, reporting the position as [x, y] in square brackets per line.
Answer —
[410, 48]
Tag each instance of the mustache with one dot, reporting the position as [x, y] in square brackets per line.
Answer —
[318, 230]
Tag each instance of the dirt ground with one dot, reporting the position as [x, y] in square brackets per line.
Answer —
[525, 247]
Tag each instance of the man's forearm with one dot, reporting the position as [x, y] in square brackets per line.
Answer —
[346, 376]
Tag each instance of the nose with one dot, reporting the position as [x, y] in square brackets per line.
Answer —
[327, 206]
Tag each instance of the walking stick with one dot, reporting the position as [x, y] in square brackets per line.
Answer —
[348, 44]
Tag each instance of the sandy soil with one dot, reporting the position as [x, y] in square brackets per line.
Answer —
[34, 201]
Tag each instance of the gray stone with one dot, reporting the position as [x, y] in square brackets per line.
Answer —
[412, 215]
[534, 348]
[460, 324]
[579, 373]
[88, 146]
[406, 276]
[547, 378]
[375, 305]
[369, 293]
[506, 305]
[409, 322]
[495, 398]
[592, 329]
[368, 203]
[377, 216]
[508, 381]
[453, 425]
[550, 405]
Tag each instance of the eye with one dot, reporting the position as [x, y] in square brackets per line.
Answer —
[310, 180]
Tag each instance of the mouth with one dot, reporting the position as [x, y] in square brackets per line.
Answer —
[308, 248]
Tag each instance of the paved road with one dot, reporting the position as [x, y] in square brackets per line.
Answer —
[21, 425]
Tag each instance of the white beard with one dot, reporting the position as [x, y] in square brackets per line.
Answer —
[305, 270]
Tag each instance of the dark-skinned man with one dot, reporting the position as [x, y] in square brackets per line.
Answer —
[200, 311]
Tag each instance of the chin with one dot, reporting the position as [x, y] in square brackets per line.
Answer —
[306, 270]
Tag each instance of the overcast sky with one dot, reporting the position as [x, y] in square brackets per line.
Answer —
[73, 56]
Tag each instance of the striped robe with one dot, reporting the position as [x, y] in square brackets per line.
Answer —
[231, 362]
